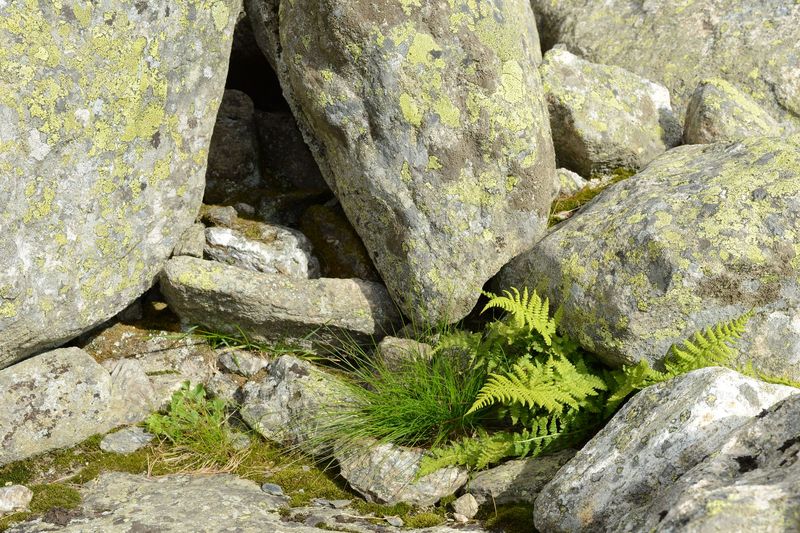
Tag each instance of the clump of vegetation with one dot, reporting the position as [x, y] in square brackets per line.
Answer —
[582, 197]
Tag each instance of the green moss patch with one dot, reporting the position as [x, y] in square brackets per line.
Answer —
[511, 518]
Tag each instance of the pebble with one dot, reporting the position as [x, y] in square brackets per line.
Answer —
[127, 440]
[395, 521]
[273, 489]
[14, 498]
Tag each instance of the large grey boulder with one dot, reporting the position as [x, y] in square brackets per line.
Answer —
[618, 481]
[55, 400]
[273, 307]
[428, 122]
[719, 112]
[702, 235]
[105, 119]
[749, 484]
[678, 44]
[605, 117]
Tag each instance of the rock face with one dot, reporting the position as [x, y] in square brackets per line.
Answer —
[618, 481]
[679, 44]
[385, 473]
[105, 119]
[702, 235]
[604, 117]
[719, 112]
[428, 122]
[272, 307]
[56, 400]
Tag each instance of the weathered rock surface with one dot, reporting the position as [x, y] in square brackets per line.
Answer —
[105, 119]
[233, 172]
[719, 112]
[385, 473]
[395, 352]
[605, 117]
[271, 307]
[617, 482]
[126, 440]
[749, 484]
[55, 400]
[678, 44]
[242, 362]
[14, 498]
[702, 235]
[428, 122]
[340, 250]
[192, 242]
[569, 182]
[291, 401]
[520, 480]
[466, 505]
[274, 249]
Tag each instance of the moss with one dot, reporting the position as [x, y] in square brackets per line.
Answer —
[585, 195]
[426, 519]
[511, 518]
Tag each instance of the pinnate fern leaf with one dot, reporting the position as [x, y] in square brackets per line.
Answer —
[526, 311]
[713, 346]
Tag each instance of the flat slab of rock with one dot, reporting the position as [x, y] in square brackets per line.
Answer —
[605, 117]
[385, 473]
[617, 482]
[701, 236]
[516, 481]
[679, 44]
[56, 400]
[105, 120]
[427, 120]
[271, 307]
[126, 440]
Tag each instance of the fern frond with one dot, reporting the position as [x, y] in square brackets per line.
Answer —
[526, 311]
[630, 379]
[713, 346]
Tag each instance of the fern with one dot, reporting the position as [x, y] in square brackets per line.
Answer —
[710, 347]
[525, 311]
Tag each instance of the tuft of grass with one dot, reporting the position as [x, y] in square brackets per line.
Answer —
[241, 341]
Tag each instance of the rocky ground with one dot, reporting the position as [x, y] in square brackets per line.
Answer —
[236, 196]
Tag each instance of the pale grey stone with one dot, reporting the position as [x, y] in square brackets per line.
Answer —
[226, 388]
[242, 362]
[133, 394]
[604, 117]
[570, 181]
[428, 121]
[395, 352]
[618, 481]
[276, 250]
[105, 119]
[466, 505]
[719, 112]
[385, 473]
[518, 480]
[276, 308]
[701, 236]
[126, 440]
[192, 242]
[14, 498]
[219, 215]
[272, 489]
[394, 521]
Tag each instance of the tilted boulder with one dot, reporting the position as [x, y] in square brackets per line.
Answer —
[751, 44]
[618, 481]
[428, 122]
[605, 117]
[105, 119]
[701, 236]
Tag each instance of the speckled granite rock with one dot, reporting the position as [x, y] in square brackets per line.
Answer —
[55, 400]
[702, 235]
[604, 117]
[570, 182]
[191, 242]
[752, 44]
[749, 484]
[126, 440]
[233, 172]
[428, 122]
[274, 250]
[272, 307]
[385, 473]
[617, 482]
[105, 119]
[719, 112]
[241, 362]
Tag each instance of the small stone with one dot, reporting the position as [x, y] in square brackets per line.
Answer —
[127, 440]
[14, 498]
[460, 518]
[224, 387]
[570, 182]
[191, 242]
[242, 362]
[395, 352]
[395, 521]
[245, 209]
[273, 489]
[466, 506]
[218, 215]
[333, 504]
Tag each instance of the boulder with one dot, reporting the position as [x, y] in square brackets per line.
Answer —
[386, 473]
[605, 117]
[233, 172]
[56, 400]
[701, 236]
[272, 249]
[105, 119]
[678, 44]
[277, 308]
[427, 120]
[617, 482]
[719, 112]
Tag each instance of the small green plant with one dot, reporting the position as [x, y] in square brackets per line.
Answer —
[242, 341]
[545, 391]
[196, 429]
